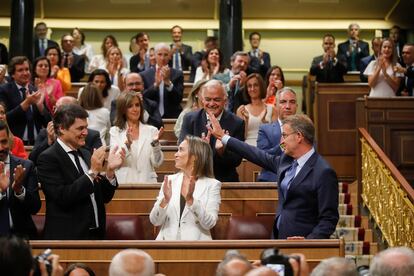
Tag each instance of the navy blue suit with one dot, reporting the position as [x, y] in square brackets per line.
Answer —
[257, 67]
[172, 99]
[363, 65]
[407, 83]
[310, 207]
[186, 54]
[268, 139]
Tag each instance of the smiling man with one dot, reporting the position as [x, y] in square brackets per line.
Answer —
[71, 179]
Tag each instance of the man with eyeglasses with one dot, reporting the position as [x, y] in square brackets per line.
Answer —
[70, 60]
[214, 99]
[307, 185]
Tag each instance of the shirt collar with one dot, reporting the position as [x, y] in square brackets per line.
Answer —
[304, 158]
[218, 117]
[65, 147]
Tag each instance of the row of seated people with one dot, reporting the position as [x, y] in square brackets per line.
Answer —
[16, 259]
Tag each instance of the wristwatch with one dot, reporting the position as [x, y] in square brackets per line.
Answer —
[155, 143]
[92, 174]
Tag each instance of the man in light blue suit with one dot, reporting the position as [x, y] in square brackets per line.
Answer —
[307, 185]
[268, 138]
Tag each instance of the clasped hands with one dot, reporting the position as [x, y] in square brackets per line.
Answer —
[115, 160]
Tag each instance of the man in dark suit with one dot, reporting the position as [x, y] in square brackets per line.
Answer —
[19, 196]
[181, 53]
[308, 186]
[327, 67]
[47, 135]
[26, 111]
[376, 47]
[354, 49]
[141, 61]
[395, 35]
[74, 62]
[259, 60]
[71, 179]
[41, 43]
[163, 84]
[407, 84]
[133, 82]
[214, 99]
[269, 135]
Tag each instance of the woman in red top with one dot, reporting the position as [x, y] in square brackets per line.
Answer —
[17, 146]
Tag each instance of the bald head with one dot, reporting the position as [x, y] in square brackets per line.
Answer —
[133, 82]
[393, 261]
[262, 271]
[132, 262]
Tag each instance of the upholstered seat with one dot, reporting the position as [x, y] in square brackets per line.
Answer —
[250, 227]
[124, 227]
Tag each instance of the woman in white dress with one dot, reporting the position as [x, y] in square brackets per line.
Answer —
[382, 79]
[211, 64]
[140, 141]
[99, 61]
[257, 112]
[81, 48]
[188, 202]
[99, 120]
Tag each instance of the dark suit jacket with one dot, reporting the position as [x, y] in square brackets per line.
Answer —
[16, 116]
[194, 123]
[68, 204]
[172, 99]
[363, 65]
[310, 208]
[4, 55]
[235, 94]
[257, 67]
[50, 43]
[407, 83]
[133, 64]
[92, 141]
[195, 62]
[268, 139]
[186, 55]
[22, 211]
[343, 53]
[331, 72]
[77, 70]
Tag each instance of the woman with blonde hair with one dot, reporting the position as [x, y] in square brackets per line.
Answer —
[115, 67]
[188, 202]
[140, 141]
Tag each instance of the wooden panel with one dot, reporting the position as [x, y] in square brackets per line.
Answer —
[75, 89]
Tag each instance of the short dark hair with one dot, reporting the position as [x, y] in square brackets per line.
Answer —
[63, 36]
[17, 60]
[74, 266]
[66, 115]
[57, 48]
[328, 35]
[255, 33]
[15, 256]
[176, 26]
[34, 75]
[39, 24]
[301, 124]
[262, 88]
[101, 72]
[141, 34]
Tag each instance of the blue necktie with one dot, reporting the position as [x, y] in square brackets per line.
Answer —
[289, 176]
[177, 60]
[30, 120]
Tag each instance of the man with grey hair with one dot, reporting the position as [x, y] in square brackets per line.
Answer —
[398, 261]
[132, 262]
[163, 84]
[233, 264]
[308, 186]
[335, 266]
[354, 49]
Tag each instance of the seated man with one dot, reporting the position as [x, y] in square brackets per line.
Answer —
[327, 67]
[354, 49]
[214, 99]
[163, 84]
[75, 191]
[132, 262]
[308, 186]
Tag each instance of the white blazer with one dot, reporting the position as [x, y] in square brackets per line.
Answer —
[196, 220]
[141, 159]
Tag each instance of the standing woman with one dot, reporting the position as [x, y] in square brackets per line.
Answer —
[91, 101]
[54, 55]
[50, 87]
[188, 202]
[275, 80]
[81, 48]
[16, 144]
[140, 141]
[114, 65]
[211, 65]
[382, 79]
[256, 112]
[99, 61]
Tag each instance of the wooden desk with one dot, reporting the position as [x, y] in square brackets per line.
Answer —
[184, 258]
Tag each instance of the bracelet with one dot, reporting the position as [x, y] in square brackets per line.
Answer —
[155, 143]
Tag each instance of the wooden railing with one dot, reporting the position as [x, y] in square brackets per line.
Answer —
[386, 193]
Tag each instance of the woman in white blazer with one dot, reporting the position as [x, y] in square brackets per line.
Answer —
[188, 203]
[140, 141]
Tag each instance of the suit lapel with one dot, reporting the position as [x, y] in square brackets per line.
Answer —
[67, 162]
[142, 139]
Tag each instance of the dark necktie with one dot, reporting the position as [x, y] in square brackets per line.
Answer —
[177, 60]
[4, 216]
[65, 60]
[29, 118]
[42, 47]
[77, 161]
[284, 185]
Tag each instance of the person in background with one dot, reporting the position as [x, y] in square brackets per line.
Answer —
[376, 48]
[4, 55]
[256, 112]
[78, 269]
[335, 266]
[99, 61]
[62, 74]
[50, 87]
[3, 71]
[139, 140]
[275, 80]
[81, 48]
[210, 42]
[115, 67]
[181, 53]
[133, 49]
[393, 261]
[141, 62]
[70, 60]
[259, 60]
[234, 264]
[354, 49]
[382, 79]
[211, 65]
[41, 42]
[188, 202]
[132, 262]
[395, 35]
[407, 83]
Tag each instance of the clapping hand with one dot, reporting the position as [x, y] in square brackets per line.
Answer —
[18, 176]
[159, 134]
[4, 179]
[167, 191]
[191, 186]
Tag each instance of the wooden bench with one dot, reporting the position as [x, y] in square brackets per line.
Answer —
[73, 91]
[184, 258]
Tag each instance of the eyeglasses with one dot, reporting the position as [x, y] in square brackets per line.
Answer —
[285, 135]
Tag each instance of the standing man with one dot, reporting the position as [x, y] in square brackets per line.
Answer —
[308, 186]
[41, 43]
[327, 67]
[181, 53]
[259, 60]
[26, 111]
[376, 47]
[269, 135]
[395, 35]
[71, 179]
[19, 195]
[163, 84]
[407, 85]
[141, 61]
[214, 99]
[354, 49]
[74, 62]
